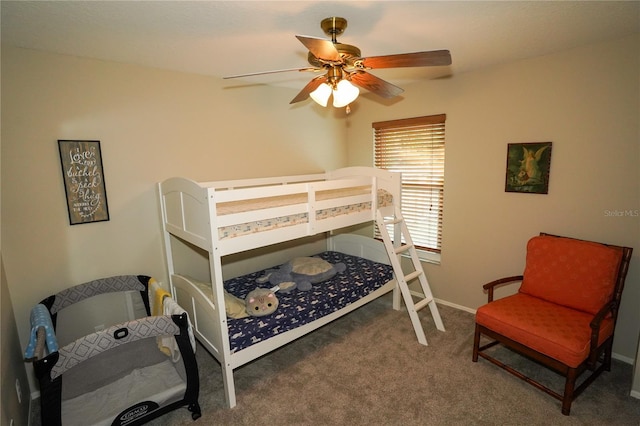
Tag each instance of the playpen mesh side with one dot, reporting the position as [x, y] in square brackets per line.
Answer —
[96, 343]
[92, 288]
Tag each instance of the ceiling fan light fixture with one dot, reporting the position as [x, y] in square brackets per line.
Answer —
[344, 93]
[344, 64]
[321, 94]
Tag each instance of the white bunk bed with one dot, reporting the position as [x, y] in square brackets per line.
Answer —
[223, 218]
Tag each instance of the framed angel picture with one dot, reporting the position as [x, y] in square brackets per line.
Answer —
[528, 166]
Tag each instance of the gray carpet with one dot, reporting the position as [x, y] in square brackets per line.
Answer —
[368, 369]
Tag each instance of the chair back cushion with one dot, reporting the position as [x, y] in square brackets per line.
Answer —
[573, 273]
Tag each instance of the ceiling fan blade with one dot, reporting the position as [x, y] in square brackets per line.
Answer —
[320, 47]
[272, 72]
[418, 59]
[375, 84]
[310, 87]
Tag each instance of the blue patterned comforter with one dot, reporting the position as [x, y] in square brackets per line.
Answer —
[297, 308]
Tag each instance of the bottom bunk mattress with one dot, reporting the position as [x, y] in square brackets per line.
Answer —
[360, 278]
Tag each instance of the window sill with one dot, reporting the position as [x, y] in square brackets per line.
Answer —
[429, 257]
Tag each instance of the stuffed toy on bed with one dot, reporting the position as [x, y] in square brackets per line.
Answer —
[300, 273]
[261, 302]
[258, 303]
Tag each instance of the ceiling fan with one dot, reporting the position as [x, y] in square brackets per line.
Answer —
[344, 67]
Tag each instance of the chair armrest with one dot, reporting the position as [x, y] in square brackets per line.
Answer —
[595, 323]
[597, 319]
[489, 287]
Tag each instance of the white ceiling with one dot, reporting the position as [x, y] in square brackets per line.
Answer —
[222, 38]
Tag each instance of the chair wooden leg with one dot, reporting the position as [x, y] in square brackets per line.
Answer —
[607, 356]
[476, 344]
[569, 387]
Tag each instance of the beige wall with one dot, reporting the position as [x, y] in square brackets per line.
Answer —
[152, 124]
[585, 101]
[12, 407]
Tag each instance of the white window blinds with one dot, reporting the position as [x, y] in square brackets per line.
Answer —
[415, 147]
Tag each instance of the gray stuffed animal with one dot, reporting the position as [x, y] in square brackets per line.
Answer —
[300, 273]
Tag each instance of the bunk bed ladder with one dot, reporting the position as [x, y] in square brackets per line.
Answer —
[393, 216]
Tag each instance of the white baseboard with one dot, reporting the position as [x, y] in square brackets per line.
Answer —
[456, 306]
[622, 358]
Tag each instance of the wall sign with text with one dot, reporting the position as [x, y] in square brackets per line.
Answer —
[83, 181]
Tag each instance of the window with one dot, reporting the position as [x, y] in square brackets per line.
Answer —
[415, 147]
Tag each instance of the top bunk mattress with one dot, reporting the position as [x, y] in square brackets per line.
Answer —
[297, 308]
[384, 198]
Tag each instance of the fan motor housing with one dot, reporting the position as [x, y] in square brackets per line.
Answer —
[348, 53]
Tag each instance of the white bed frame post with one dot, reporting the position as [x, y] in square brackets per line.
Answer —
[215, 270]
[166, 238]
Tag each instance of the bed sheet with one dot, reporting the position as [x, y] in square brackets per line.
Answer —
[384, 199]
[297, 308]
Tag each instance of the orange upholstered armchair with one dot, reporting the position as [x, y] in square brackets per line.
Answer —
[563, 315]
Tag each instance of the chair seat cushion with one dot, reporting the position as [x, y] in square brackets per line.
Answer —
[557, 331]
